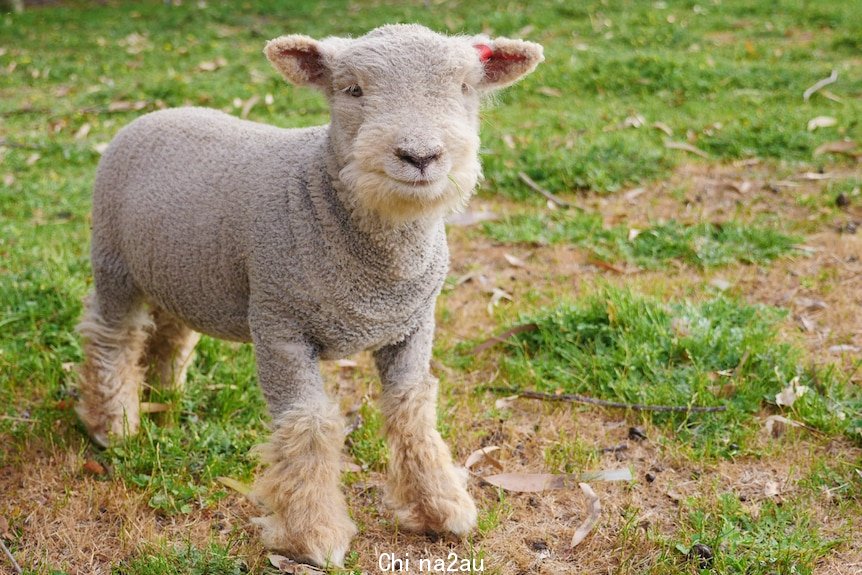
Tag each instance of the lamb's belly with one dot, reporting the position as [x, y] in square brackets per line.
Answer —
[339, 339]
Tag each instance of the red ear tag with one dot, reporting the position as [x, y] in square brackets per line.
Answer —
[484, 51]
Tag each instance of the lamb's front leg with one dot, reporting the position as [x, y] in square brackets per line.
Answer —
[425, 490]
[300, 488]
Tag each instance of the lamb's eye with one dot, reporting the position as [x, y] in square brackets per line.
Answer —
[354, 90]
[465, 88]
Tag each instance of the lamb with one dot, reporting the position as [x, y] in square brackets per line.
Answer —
[313, 244]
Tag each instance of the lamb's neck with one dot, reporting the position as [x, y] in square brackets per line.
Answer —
[398, 251]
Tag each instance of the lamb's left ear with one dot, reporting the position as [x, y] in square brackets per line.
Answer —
[507, 61]
[301, 60]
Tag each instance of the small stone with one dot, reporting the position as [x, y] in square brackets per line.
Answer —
[842, 201]
[702, 553]
[93, 467]
[650, 477]
[637, 434]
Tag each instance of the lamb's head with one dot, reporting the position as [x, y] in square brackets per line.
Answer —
[405, 110]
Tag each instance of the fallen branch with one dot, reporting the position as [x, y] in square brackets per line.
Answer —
[8, 553]
[833, 77]
[575, 398]
[537, 188]
[492, 341]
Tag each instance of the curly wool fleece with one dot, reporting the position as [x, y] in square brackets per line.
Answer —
[312, 243]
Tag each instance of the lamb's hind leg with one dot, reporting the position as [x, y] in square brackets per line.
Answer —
[170, 350]
[114, 330]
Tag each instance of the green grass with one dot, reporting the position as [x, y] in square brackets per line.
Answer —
[183, 558]
[701, 245]
[620, 346]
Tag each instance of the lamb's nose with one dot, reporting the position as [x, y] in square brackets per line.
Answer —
[420, 161]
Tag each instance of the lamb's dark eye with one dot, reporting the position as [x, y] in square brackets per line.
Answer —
[354, 90]
[465, 88]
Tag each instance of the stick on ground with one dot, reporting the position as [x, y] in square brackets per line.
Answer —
[575, 398]
[11, 558]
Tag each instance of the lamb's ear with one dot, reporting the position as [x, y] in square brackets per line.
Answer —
[507, 61]
[301, 60]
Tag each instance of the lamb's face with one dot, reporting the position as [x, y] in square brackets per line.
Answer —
[405, 109]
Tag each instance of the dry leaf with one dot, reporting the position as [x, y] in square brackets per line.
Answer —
[100, 148]
[633, 233]
[821, 122]
[237, 486]
[837, 147]
[685, 147]
[720, 284]
[552, 92]
[483, 456]
[93, 467]
[506, 402]
[538, 482]
[594, 261]
[663, 127]
[212, 65]
[833, 77]
[775, 425]
[807, 323]
[509, 141]
[497, 295]
[152, 407]
[285, 565]
[8, 179]
[771, 489]
[249, 104]
[844, 348]
[811, 304]
[470, 218]
[815, 176]
[788, 396]
[594, 509]
[631, 195]
[32, 159]
[82, 131]
[514, 261]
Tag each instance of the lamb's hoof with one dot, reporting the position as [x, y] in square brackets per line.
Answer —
[105, 428]
[449, 510]
[322, 544]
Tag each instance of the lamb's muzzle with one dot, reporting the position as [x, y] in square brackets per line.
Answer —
[312, 243]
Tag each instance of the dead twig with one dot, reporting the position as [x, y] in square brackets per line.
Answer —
[8, 553]
[833, 77]
[575, 398]
[9, 144]
[492, 341]
[537, 188]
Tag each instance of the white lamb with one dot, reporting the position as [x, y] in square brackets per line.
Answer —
[312, 243]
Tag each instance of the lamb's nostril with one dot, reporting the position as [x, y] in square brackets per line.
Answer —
[420, 162]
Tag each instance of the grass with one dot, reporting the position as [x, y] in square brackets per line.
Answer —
[701, 245]
[619, 346]
[726, 77]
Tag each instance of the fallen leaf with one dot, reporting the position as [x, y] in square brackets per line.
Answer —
[685, 147]
[82, 131]
[514, 261]
[268, 100]
[837, 147]
[483, 456]
[821, 122]
[497, 295]
[815, 176]
[212, 65]
[237, 486]
[8, 179]
[538, 482]
[249, 104]
[153, 407]
[844, 348]
[594, 509]
[775, 425]
[788, 396]
[552, 92]
[285, 565]
[506, 402]
[93, 467]
[100, 148]
[663, 127]
[631, 195]
[833, 77]
[633, 233]
[32, 159]
[771, 489]
[509, 141]
[720, 284]
[126, 106]
[811, 304]
[470, 218]
[808, 324]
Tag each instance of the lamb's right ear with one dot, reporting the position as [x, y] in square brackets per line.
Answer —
[300, 60]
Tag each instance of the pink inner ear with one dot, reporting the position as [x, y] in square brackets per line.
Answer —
[484, 51]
